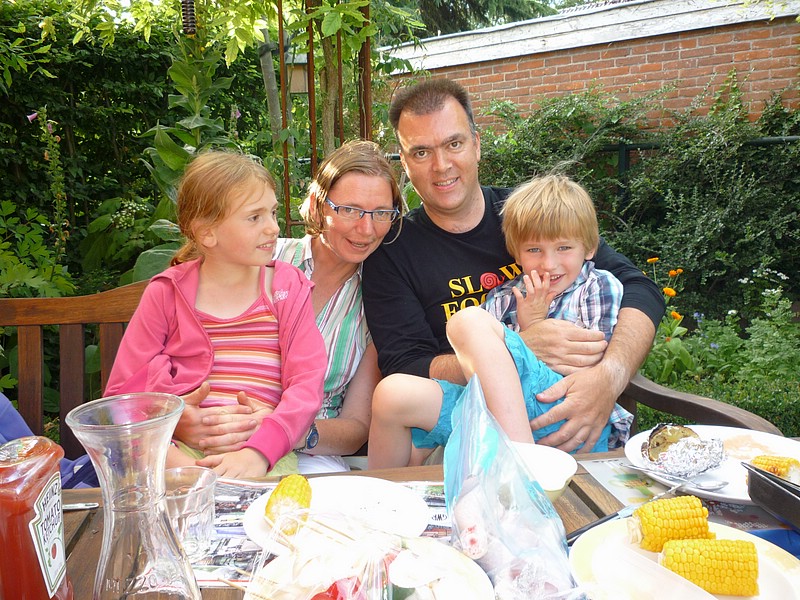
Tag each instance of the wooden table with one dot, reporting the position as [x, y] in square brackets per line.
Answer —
[584, 501]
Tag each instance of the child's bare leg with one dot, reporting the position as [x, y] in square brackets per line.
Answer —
[419, 456]
[479, 342]
[399, 403]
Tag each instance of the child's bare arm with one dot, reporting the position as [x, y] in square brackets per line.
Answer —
[176, 458]
[532, 308]
[243, 463]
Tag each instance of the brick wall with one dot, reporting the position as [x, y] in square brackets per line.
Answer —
[765, 54]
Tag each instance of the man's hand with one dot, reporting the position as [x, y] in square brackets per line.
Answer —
[564, 347]
[589, 397]
[215, 429]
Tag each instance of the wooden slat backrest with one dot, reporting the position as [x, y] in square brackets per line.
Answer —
[697, 409]
[110, 310]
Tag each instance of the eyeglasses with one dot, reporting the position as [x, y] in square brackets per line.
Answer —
[351, 213]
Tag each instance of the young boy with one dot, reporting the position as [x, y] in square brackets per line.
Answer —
[550, 227]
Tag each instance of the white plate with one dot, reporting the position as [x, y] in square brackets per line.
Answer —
[740, 445]
[463, 577]
[376, 503]
[609, 566]
[440, 570]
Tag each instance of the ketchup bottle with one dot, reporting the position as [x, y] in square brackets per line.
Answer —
[34, 563]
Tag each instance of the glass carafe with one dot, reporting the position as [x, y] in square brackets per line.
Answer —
[127, 438]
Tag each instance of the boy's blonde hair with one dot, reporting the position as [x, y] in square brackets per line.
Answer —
[204, 195]
[549, 208]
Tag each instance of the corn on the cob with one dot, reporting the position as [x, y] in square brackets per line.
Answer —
[679, 518]
[291, 495]
[727, 567]
[782, 466]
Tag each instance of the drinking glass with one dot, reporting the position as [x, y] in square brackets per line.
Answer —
[190, 505]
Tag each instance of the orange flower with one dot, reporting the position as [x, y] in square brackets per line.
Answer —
[676, 315]
[667, 339]
[669, 292]
[673, 273]
[650, 261]
[679, 271]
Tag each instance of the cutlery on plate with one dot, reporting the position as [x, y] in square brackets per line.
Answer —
[708, 486]
[623, 513]
[79, 506]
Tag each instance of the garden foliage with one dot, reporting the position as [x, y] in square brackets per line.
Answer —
[716, 197]
[87, 186]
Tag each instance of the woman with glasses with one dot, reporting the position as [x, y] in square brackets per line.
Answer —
[350, 208]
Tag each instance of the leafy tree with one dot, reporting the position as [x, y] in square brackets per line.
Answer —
[22, 52]
[452, 16]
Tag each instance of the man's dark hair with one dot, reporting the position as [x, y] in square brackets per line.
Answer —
[427, 97]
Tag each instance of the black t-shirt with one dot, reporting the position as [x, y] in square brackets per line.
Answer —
[413, 285]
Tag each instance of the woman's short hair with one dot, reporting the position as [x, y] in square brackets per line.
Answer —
[548, 208]
[204, 195]
[356, 156]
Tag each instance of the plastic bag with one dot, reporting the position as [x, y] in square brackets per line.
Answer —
[500, 517]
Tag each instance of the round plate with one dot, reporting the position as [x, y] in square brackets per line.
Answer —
[608, 566]
[440, 571]
[740, 445]
[376, 503]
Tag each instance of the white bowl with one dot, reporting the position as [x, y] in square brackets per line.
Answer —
[551, 467]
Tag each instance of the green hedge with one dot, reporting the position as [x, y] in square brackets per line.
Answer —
[776, 401]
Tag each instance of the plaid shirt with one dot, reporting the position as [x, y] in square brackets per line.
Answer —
[591, 302]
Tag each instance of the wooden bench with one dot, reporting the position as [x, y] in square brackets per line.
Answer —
[111, 310]
[698, 409]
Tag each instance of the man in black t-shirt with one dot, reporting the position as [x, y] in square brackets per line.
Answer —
[450, 252]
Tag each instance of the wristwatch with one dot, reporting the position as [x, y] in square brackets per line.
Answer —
[312, 439]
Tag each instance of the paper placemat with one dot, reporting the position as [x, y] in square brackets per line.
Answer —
[632, 488]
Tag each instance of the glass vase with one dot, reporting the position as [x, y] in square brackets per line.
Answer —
[127, 438]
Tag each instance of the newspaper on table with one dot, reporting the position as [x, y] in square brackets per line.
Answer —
[233, 557]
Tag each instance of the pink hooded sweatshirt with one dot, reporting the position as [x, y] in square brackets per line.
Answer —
[165, 349]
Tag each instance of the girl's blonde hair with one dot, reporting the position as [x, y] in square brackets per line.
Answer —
[548, 208]
[209, 183]
[355, 156]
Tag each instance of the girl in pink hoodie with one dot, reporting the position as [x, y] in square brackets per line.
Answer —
[227, 313]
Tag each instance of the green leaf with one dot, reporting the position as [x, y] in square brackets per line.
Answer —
[101, 223]
[92, 359]
[196, 121]
[152, 262]
[231, 51]
[7, 382]
[166, 230]
[173, 155]
[183, 75]
[666, 371]
[331, 23]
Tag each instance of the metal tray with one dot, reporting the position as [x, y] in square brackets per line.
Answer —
[779, 497]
